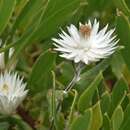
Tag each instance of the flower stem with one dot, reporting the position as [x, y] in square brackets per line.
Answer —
[77, 68]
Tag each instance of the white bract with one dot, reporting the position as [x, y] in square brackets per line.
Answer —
[2, 57]
[12, 92]
[87, 44]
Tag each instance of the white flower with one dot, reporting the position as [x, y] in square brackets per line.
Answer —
[12, 92]
[2, 57]
[87, 44]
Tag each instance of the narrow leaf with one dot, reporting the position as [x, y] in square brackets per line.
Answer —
[126, 122]
[118, 94]
[106, 122]
[117, 118]
[97, 119]
[122, 23]
[85, 99]
[83, 121]
[42, 66]
[105, 102]
[6, 10]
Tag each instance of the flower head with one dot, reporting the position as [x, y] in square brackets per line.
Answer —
[87, 44]
[12, 92]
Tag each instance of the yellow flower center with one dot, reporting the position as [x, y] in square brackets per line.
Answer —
[5, 88]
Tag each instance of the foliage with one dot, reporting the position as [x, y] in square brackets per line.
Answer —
[100, 100]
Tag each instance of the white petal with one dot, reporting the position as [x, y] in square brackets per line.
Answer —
[74, 33]
[78, 48]
[12, 94]
[95, 28]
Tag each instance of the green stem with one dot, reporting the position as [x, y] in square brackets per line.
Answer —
[72, 108]
[77, 68]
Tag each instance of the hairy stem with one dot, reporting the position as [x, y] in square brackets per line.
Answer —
[76, 77]
[77, 68]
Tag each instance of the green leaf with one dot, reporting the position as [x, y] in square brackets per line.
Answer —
[121, 4]
[89, 76]
[118, 94]
[117, 118]
[105, 102]
[126, 122]
[66, 73]
[124, 24]
[28, 13]
[53, 99]
[13, 120]
[24, 39]
[106, 122]
[20, 123]
[128, 95]
[6, 10]
[118, 64]
[60, 121]
[20, 4]
[44, 26]
[85, 99]
[97, 118]
[96, 69]
[70, 119]
[42, 66]
[59, 16]
[4, 126]
[82, 122]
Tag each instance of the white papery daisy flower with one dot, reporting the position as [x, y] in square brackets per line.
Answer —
[2, 57]
[12, 92]
[87, 44]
